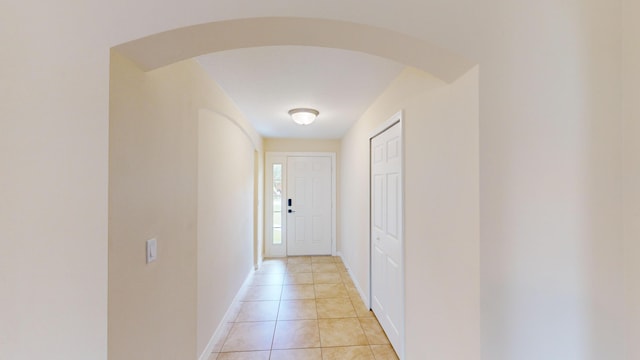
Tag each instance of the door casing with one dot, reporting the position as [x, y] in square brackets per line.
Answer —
[271, 158]
[395, 120]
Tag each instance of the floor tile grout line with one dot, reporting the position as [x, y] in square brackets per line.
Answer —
[313, 273]
[275, 326]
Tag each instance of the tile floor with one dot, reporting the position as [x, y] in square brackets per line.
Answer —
[303, 308]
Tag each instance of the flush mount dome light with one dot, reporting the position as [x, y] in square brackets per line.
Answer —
[303, 116]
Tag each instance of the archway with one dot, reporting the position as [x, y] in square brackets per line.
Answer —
[165, 48]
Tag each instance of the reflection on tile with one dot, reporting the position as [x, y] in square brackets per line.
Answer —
[271, 260]
[345, 276]
[264, 292]
[347, 280]
[267, 279]
[322, 259]
[250, 355]
[298, 278]
[349, 352]
[294, 292]
[330, 291]
[299, 260]
[373, 331]
[384, 352]
[335, 308]
[298, 268]
[297, 354]
[272, 267]
[361, 309]
[224, 332]
[324, 267]
[327, 278]
[352, 292]
[296, 334]
[297, 310]
[341, 332]
[234, 311]
[250, 336]
[258, 311]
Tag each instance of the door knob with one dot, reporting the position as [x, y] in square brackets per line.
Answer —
[291, 211]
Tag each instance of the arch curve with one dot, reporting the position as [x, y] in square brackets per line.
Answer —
[168, 47]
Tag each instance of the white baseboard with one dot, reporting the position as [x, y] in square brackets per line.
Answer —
[219, 333]
[363, 295]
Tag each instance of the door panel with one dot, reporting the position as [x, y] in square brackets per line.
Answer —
[378, 278]
[378, 204]
[299, 229]
[386, 234]
[309, 221]
[393, 193]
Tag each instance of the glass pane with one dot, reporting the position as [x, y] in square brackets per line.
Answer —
[277, 236]
[277, 204]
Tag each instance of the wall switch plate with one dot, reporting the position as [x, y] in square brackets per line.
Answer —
[152, 250]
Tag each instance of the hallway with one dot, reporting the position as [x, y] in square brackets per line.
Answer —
[302, 308]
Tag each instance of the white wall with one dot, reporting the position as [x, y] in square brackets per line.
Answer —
[172, 178]
[441, 210]
[631, 157]
[550, 181]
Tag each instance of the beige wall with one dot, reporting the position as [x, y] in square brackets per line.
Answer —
[301, 145]
[550, 150]
[152, 194]
[53, 183]
[172, 178]
[225, 218]
[631, 157]
[355, 168]
[441, 210]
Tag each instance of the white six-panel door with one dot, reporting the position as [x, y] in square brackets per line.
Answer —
[387, 293]
[309, 205]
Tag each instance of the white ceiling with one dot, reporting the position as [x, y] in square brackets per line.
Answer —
[266, 82]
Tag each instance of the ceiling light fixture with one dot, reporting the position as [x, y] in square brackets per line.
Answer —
[303, 116]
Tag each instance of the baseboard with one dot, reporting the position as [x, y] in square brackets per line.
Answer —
[219, 333]
[363, 296]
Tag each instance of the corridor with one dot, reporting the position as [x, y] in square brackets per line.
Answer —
[302, 308]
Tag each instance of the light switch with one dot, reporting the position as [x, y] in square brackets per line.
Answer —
[152, 250]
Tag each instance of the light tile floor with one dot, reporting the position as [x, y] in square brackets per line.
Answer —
[303, 308]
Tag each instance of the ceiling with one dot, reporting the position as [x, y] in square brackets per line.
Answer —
[266, 82]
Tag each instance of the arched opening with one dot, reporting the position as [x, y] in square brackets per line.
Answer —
[169, 142]
[166, 48]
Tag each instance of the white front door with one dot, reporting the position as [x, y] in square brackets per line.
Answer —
[309, 205]
[387, 292]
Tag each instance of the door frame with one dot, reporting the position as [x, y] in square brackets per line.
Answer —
[396, 119]
[272, 158]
